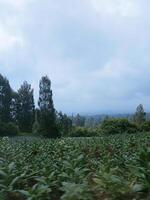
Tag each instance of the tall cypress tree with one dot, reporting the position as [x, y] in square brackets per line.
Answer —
[25, 107]
[47, 120]
[140, 115]
[35, 127]
[5, 99]
[13, 107]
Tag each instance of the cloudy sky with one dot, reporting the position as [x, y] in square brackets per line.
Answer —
[96, 52]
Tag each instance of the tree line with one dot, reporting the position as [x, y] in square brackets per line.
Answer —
[18, 114]
[17, 109]
[108, 125]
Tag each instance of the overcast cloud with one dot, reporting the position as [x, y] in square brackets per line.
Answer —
[96, 52]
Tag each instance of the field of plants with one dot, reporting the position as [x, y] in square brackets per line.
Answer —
[102, 168]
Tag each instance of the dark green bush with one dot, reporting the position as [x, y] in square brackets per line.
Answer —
[116, 126]
[8, 129]
[83, 132]
[145, 127]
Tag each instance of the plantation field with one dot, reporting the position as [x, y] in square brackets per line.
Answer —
[106, 167]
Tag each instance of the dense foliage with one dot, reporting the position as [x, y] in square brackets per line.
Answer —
[25, 107]
[109, 167]
[5, 99]
[8, 129]
[140, 115]
[47, 119]
[19, 108]
[144, 127]
[64, 124]
[115, 126]
[84, 132]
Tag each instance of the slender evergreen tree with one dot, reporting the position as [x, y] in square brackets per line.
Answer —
[47, 120]
[13, 107]
[140, 115]
[35, 127]
[25, 107]
[5, 99]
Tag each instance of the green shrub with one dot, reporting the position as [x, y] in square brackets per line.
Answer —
[83, 132]
[8, 129]
[116, 126]
[145, 126]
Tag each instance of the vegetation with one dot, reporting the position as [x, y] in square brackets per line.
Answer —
[95, 159]
[144, 127]
[84, 132]
[109, 167]
[5, 99]
[140, 115]
[64, 124]
[47, 118]
[25, 107]
[17, 109]
[115, 126]
[78, 121]
[8, 129]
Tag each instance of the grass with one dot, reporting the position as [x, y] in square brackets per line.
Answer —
[108, 167]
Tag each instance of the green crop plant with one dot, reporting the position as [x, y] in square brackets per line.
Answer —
[115, 167]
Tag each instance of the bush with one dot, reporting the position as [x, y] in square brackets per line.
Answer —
[8, 129]
[145, 126]
[83, 132]
[116, 126]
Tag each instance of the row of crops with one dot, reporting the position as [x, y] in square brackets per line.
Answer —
[108, 167]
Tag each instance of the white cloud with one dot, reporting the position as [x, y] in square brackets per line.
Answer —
[116, 8]
[8, 40]
[10, 32]
[93, 50]
[116, 69]
[16, 4]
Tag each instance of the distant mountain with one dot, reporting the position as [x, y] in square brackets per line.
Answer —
[94, 120]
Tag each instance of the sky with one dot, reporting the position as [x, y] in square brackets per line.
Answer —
[96, 52]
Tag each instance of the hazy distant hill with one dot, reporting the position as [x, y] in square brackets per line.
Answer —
[94, 120]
